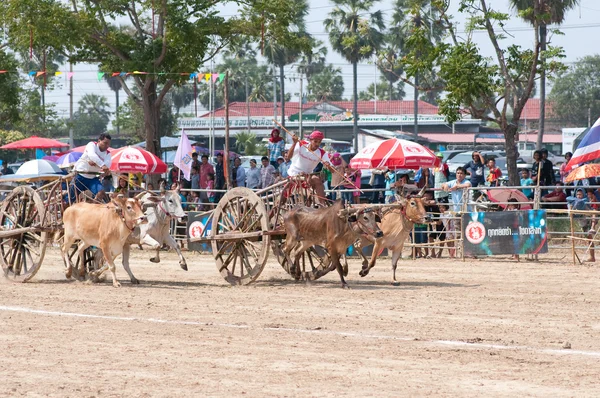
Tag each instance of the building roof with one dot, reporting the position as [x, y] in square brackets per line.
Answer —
[467, 138]
[531, 111]
[239, 109]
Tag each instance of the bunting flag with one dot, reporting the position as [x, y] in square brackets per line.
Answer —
[207, 77]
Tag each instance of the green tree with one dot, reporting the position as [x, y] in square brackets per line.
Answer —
[92, 116]
[313, 61]
[327, 85]
[355, 33]
[6, 137]
[94, 104]
[182, 37]
[495, 90]
[132, 122]
[181, 96]
[247, 143]
[383, 91]
[576, 93]
[10, 91]
[543, 13]
[280, 54]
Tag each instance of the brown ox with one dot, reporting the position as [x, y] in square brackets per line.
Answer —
[104, 226]
[396, 223]
[334, 228]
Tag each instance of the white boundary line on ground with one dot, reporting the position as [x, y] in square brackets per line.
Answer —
[454, 343]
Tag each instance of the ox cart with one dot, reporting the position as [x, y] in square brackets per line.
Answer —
[30, 219]
[246, 225]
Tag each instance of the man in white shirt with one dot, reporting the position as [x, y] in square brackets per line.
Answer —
[305, 156]
[96, 160]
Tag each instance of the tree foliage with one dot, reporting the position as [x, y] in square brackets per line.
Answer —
[327, 85]
[492, 89]
[577, 91]
[383, 91]
[182, 37]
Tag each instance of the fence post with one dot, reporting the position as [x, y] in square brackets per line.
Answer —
[572, 238]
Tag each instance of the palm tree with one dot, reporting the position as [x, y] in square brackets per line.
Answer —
[181, 96]
[383, 91]
[328, 85]
[313, 60]
[281, 54]
[115, 85]
[94, 104]
[553, 12]
[355, 33]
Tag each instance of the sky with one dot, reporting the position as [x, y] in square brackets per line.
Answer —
[580, 30]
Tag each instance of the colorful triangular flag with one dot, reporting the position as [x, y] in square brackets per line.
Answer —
[57, 73]
[31, 73]
[70, 75]
[221, 77]
[214, 77]
[100, 75]
[115, 74]
[40, 73]
[200, 77]
[207, 76]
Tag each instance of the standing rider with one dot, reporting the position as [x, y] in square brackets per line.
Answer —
[305, 156]
[97, 160]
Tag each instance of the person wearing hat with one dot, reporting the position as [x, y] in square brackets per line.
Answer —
[253, 175]
[305, 156]
[440, 177]
[276, 146]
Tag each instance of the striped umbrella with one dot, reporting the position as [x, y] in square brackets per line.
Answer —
[68, 159]
[133, 159]
[394, 154]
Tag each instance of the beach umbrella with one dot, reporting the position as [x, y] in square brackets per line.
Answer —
[50, 158]
[133, 159]
[38, 167]
[68, 159]
[584, 172]
[394, 153]
[35, 142]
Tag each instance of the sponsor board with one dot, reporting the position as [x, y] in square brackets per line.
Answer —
[505, 232]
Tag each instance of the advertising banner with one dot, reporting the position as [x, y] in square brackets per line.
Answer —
[505, 232]
[198, 226]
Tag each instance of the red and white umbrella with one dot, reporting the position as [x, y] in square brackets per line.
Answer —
[394, 154]
[133, 159]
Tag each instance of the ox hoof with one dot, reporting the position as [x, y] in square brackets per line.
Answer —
[155, 260]
[68, 273]
[116, 284]
[135, 281]
[183, 265]
[345, 286]
[363, 272]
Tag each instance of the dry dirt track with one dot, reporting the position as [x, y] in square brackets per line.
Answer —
[478, 328]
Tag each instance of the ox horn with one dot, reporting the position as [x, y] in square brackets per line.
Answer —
[421, 192]
[162, 187]
[139, 195]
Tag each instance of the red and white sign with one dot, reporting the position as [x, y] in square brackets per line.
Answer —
[475, 232]
[196, 229]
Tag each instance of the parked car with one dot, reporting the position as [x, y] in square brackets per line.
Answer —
[463, 158]
[450, 154]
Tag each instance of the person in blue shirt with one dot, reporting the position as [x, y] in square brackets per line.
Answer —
[456, 187]
[475, 169]
[526, 181]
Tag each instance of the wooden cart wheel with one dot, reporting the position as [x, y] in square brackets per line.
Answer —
[88, 258]
[239, 244]
[21, 255]
[313, 263]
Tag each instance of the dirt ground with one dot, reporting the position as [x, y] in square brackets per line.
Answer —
[487, 327]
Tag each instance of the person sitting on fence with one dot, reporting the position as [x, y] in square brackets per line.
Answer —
[305, 157]
[526, 181]
[556, 199]
[587, 223]
[95, 160]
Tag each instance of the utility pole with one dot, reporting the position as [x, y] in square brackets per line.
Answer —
[416, 105]
[226, 166]
[71, 140]
[274, 92]
[248, 104]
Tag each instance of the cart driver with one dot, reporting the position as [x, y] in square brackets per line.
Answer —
[96, 160]
[305, 156]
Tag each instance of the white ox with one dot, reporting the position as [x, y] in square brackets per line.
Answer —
[106, 226]
[161, 210]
